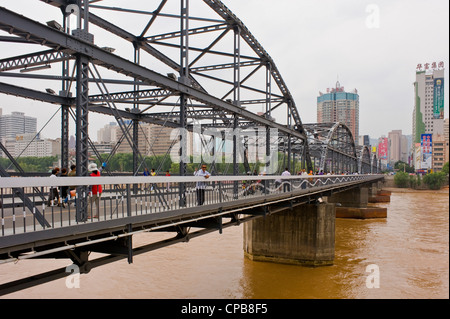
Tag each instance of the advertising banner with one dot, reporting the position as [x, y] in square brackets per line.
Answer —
[426, 145]
[383, 149]
[438, 99]
[417, 160]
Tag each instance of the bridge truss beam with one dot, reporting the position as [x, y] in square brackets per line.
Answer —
[38, 33]
[66, 47]
[332, 144]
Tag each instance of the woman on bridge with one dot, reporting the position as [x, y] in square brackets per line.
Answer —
[96, 192]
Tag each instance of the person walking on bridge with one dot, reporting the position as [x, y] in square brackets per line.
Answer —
[303, 181]
[96, 191]
[53, 198]
[286, 183]
[152, 173]
[201, 186]
[73, 189]
[64, 189]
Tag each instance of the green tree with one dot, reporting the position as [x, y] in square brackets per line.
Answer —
[412, 181]
[419, 180]
[401, 179]
[445, 168]
[434, 180]
[31, 164]
[404, 167]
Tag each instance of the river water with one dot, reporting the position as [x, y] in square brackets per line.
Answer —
[409, 251]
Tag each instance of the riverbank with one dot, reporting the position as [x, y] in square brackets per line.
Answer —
[443, 190]
[389, 184]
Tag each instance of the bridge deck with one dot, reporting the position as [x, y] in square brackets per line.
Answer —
[129, 205]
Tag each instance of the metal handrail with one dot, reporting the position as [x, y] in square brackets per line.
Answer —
[12, 182]
[144, 194]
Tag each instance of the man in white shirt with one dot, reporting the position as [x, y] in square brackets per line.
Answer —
[286, 183]
[304, 181]
[53, 198]
[201, 186]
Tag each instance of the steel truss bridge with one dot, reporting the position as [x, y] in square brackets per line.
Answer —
[174, 64]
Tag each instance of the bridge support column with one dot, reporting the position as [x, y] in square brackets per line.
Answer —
[355, 197]
[353, 204]
[378, 195]
[304, 236]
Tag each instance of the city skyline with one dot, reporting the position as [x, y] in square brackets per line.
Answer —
[373, 47]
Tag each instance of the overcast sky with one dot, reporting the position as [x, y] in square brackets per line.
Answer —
[373, 46]
[315, 42]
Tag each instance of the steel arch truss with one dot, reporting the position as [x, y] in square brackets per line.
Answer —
[175, 64]
[368, 162]
[376, 164]
[332, 148]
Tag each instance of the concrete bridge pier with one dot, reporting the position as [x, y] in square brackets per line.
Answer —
[378, 195]
[304, 236]
[353, 203]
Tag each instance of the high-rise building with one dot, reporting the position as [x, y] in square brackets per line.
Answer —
[16, 123]
[428, 117]
[153, 140]
[364, 140]
[405, 148]
[395, 146]
[428, 114]
[107, 134]
[446, 131]
[339, 106]
[439, 151]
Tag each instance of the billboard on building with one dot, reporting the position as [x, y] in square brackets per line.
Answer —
[426, 145]
[383, 148]
[438, 99]
[417, 160]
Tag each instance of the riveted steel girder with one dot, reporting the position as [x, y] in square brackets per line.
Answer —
[41, 34]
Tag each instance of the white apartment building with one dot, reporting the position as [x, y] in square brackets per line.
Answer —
[153, 140]
[428, 117]
[107, 134]
[428, 114]
[13, 124]
[16, 123]
[28, 145]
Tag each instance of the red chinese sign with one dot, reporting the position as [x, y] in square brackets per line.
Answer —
[428, 66]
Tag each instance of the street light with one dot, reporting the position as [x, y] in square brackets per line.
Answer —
[55, 25]
[110, 50]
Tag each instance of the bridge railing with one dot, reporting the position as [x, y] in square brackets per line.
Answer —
[27, 203]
